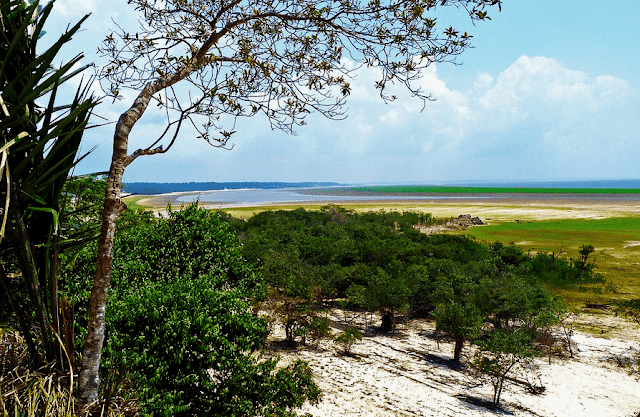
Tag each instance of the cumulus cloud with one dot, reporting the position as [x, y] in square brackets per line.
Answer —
[533, 108]
[534, 119]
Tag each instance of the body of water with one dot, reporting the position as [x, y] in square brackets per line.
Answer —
[257, 196]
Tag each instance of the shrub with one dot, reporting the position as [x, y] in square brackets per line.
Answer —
[186, 344]
[348, 338]
[180, 322]
[501, 354]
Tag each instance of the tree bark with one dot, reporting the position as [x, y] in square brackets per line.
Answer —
[457, 350]
[89, 380]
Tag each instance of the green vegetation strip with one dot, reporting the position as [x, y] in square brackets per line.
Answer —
[492, 190]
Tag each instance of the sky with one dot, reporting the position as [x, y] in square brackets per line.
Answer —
[550, 91]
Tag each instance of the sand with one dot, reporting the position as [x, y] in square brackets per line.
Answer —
[406, 374]
[508, 207]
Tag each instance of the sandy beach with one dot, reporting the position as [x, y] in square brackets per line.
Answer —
[407, 374]
[487, 207]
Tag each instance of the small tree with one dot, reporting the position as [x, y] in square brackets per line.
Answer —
[583, 265]
[456, 312]
[282, 59]
[500, 355]
[462, 321]
[348, 338]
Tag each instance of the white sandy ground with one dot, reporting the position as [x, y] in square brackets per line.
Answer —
[400, 375]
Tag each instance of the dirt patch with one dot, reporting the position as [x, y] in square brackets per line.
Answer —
[462, 222]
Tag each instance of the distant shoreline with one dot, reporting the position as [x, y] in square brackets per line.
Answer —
[626, 203]
[616, 186]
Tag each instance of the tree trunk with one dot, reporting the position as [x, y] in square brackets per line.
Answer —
[457, 350]
[388, 322]
[89, 380]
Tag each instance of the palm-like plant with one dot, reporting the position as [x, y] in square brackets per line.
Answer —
[39, 146]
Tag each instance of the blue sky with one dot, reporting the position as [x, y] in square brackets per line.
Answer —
[551, 91]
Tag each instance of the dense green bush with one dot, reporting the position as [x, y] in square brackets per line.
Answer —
[563, 273]
[185, 343]
[180, 320]
[379, 261]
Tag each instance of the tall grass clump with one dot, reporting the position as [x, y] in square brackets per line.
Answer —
[25, 392]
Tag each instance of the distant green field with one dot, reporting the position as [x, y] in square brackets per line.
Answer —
[403, 189]
[616, 240]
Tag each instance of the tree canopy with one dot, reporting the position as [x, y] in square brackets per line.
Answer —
[283, 59]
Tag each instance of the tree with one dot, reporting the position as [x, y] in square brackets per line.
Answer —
[499, 355]
[39, 147]
[182, 323]
[281, 58]
[457, 312]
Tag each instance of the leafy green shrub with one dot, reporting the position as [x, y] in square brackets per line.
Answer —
[320, 328]
[185, 343]
[562, 273]
[348, 338]
[180, 321]
[189, 243]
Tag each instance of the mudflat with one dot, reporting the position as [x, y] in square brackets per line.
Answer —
[498, 207]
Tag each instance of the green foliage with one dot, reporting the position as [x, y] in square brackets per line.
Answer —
[190, 243]
[39, 146]
[378, 261]
[180, 319]
[457, 311]
[561, 273]
[84, 198]
[500, 354]
[348, 338]
[185, 343]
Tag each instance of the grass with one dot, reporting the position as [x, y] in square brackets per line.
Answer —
[617, 254]
[479, 190]
[132, 202]
[44, 392]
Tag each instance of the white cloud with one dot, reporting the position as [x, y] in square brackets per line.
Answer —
[72, 8]
[543, 87]
[530, 110]
[534, 118]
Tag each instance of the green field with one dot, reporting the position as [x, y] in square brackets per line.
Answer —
[492, 190]
[617, 243]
